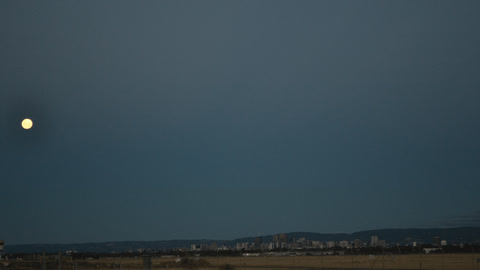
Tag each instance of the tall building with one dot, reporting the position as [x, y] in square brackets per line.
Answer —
[258, 242]
[374, 241]
[2, 246]
[194, 247]
[283, 238]
[331, 244]
[436, 241]
[242, 246]
[358, 243]
[275, 238]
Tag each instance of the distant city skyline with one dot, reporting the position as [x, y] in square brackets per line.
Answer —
[427, 239]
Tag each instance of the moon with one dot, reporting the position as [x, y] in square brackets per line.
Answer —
[27, 123]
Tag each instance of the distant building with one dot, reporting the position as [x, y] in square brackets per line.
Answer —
[275, 238]
[295, 245]
[241, 246]
[213, 246]
[358, 243]
[436, 241]
[381, 243]
[283, 238]
[194, 247]
[331, 244]
[343, 244]
[2, 247]
[258, 242]
[417, 244]
[443, 243]
[223, 248]
[374, 241]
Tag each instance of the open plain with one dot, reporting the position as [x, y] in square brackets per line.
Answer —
[410, 261]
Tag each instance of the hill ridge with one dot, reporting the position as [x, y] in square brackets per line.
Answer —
[451, 235]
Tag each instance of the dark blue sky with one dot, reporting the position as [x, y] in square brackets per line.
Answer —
[221, 119]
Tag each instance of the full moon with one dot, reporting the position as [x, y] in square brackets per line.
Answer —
[27, 123]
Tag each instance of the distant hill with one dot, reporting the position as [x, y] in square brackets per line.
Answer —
[452, 235]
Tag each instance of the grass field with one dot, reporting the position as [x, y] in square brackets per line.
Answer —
[431, 261]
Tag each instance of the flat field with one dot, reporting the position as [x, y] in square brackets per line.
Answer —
[411, 261]
[434, 261]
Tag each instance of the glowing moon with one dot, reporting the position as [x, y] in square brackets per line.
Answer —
[27, 123]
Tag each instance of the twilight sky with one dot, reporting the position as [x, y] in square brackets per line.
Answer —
[157, 120]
